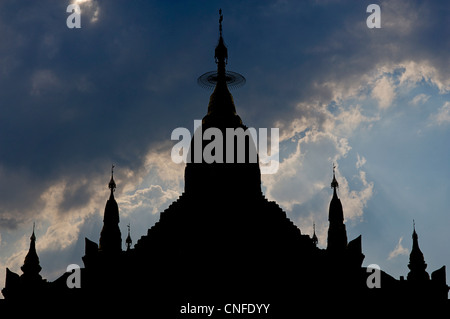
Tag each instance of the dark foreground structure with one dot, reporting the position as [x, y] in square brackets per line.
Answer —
[222, 244]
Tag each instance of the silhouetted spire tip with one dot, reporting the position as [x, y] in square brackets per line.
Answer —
[334, 182]
[128, 240]
[314, 238]
[33, 236]
[230, 79]
[220, 22]
[112, 183]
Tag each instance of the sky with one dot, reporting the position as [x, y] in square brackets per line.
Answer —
[373, 101]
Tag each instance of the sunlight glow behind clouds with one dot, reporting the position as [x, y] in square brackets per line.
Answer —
[90, 8]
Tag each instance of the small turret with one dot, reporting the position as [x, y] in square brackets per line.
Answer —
[110, 236]
[337, 234]
[417, 263]
[31, 266]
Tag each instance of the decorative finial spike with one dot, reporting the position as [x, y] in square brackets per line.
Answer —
[210, 79]
[33, 236]
[334, 182]
[112, 183]
[314, 238]
[220, 22]
[128, 241]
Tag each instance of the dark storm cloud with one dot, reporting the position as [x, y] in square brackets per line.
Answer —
[75, 100]
[297, 50]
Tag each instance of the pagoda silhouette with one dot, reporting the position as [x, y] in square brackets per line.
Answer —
[222, 242]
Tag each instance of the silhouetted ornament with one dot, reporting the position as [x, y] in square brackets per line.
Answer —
[210, 79]
[334, 182]
[112, 183]
[128, 241]
[314, 238]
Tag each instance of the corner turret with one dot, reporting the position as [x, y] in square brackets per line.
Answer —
[110, 236]
[337, 234]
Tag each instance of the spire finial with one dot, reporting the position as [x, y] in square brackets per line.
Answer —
[221, 52]
[112, 183]
[128, 241]
[220, 22]
[33, 236]
[334, 183]
[221, 77]
[314, 238]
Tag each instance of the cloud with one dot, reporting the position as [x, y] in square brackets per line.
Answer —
[304, 174]
[43, 80]
[89, 9]
[398, 250]
[75, 101]
[360, 162]
[442, 117]
[423, 70]
[66, 207]
[402, 17]
[151, 199]
[383, 92]
[420, 99]
[301, 175]
[355, 201]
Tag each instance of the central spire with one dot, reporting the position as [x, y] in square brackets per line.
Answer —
[221, 108]
[234, 174]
